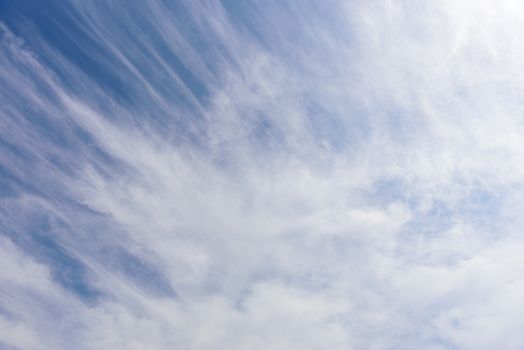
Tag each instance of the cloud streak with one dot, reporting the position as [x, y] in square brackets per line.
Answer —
[209, 175]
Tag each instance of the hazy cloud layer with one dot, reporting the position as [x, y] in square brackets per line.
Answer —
[261, 175]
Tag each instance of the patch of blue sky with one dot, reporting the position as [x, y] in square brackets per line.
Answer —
[483, 208]
[38, 240]
[63, 29]
[143, 275]
[58, 28]
[52, 242]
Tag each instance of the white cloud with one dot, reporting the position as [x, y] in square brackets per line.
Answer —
[351, 181]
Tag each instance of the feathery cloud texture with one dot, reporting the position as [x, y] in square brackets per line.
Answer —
[261, 175]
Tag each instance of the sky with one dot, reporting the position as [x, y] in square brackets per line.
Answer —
[272, 175]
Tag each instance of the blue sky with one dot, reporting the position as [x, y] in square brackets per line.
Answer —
[261, 175]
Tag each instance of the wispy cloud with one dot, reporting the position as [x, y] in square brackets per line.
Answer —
[277, 175]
